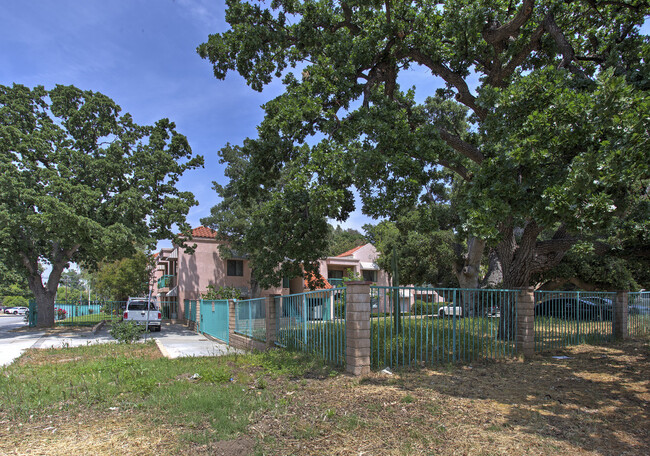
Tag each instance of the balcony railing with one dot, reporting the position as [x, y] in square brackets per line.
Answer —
[166, 281]
[336, 282]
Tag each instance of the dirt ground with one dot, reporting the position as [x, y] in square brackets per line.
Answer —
[595, 402]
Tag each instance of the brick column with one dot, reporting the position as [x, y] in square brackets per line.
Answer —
[357, 328]
[231, 320]
[621, 315]
[526, 321]
[197, 324]
[270, 322]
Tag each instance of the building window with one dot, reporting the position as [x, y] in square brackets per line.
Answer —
[235, 268]
[334, 274]
[285, 282]
[369, 276]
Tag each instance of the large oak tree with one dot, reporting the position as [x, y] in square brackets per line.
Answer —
[81, 182]
[556, 144]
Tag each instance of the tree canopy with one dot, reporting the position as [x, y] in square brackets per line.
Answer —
[424, 246]
[125, 277]
[341, 240]
[540, 125]
[81, 182]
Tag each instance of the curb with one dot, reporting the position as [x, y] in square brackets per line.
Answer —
[163, 350]
[98, 326]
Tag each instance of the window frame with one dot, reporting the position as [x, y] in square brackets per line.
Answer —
[237, 268]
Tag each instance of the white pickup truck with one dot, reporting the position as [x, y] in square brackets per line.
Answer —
[450, 311]
[143, 311]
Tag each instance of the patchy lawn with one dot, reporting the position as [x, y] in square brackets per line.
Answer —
[128, 400]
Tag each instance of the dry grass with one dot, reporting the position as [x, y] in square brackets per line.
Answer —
[595, 403]
[55, 355]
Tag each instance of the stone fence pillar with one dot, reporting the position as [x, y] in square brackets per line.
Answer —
[270, 322]
[231, 319]
[357, 328]
[197, 323]
[526, 321]
[621, 315]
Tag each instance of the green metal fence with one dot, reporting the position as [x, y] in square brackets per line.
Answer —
[639, 313]
[313, 322]
[169, 309]
[250, 318]
[565, 318]
[189, 310]
[75, 313]
[215, 319]
[424, 326]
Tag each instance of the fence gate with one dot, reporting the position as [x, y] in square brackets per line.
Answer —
[214, 319]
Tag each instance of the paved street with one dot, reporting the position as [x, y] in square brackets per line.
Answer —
[12, 344]
[174, 340]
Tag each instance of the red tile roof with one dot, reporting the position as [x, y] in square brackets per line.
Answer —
[204, 232]
[350, 252]
[310, 282]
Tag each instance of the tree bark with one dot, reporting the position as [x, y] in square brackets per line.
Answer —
[467, 267]
[494, 276]
[520, 260]
[46, 294]
[467, 270]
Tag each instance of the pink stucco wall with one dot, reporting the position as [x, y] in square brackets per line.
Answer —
[194, 272]
[204, 267]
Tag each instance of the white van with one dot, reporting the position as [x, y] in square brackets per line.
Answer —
[143, 311]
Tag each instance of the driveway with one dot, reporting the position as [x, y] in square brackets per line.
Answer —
[174, 340]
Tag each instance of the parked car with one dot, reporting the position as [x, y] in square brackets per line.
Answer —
[570, 307]
[493, 312]
[143, 311]
[640, 305]
[17, 310]
[448, 311]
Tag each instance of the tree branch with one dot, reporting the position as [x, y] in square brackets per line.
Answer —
[496, 35]
[458, 169]
[461, 146]
[518, 59]
[568, 54]
[464, 95]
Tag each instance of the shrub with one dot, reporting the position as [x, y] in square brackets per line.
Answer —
[60, 313]
[424, 308]
[427, 308]
[126, 332]
[213, 293]
[15, 301]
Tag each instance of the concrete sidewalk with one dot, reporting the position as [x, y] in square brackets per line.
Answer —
[174, 341]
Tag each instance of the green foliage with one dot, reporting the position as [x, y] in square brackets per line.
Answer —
[15, 301]
[123, 278]
[549, 148]
[426, 308]
[82, 183]
[425, 253]
[343, 240]
[73, 280]
[351, 276]
[222, 292]
[126, 332]
[215, 374]
[12, 283]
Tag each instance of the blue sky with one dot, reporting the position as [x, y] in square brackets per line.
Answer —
[142, 54]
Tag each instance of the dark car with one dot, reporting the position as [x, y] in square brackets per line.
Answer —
[570, 307]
